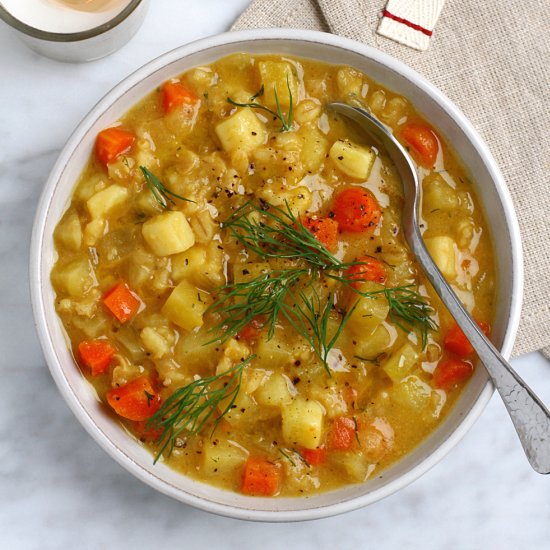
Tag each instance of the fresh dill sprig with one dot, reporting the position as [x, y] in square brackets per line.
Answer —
[160, 192]
[285, 121]
[188, 409]
[274, 232]
[311, 319]
[264, 296]
[410, 310]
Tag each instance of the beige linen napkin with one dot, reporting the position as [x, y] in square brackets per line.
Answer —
[491, 59]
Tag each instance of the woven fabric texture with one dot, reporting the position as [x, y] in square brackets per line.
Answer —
[491, 59]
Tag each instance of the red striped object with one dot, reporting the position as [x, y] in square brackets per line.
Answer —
[406, 22]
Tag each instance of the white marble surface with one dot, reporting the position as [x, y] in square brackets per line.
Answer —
[58, 489]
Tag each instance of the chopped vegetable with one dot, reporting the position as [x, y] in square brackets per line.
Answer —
[366, 269]
[451, 372]
[260, 477]
[354, 160]
[251, 331]
[343, 434]
[325, 230]
[457, 343]
[423, 143]
[146, 432]
[96, 355]
[175, 94]
[314, 457]
[111, 143]
[136, 400]
[356, 210]
[121, 302]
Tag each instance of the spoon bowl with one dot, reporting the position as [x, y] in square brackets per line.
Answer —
[529, 415]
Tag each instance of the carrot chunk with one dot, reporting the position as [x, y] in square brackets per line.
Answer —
[314, 457]
[96, 355]
[111, 143]
[342, 435]
[175, 94]
[136, 400]
[369, 269]
[423, 143]
[451, 372]
[260, 477]
[457, 343]
[325, 230]
[146, 432]
[356, 210]
[120, 301]
[251, 332]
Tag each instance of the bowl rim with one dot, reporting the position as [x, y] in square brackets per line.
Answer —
[40, 317]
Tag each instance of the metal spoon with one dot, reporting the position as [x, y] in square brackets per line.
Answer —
[529, 415]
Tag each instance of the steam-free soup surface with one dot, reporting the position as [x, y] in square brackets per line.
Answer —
[235, 284]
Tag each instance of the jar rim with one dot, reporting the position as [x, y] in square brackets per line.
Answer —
[29, 30]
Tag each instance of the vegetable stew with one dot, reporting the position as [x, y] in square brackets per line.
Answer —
[236, 287]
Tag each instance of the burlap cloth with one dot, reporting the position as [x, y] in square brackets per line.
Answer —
[491, 59]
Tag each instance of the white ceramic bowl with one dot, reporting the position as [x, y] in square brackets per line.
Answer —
[435, 107]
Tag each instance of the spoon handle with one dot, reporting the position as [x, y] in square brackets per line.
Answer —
[529, 415]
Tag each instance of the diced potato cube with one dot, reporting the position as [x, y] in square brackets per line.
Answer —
[314, 149]
[245, 413]
[369, 311]
[190, 265]
[308, 110]
[75, 278]
[93, 231]
[302, 423]
[438, 194]
[254, 378]
[243, 130]
[281, 351]
[222, 457]
[354, 160]
[243, 273]
[102, 204]
[298, 199]
[168, 233]
[186, 306]
[373, 345]
[356, 465]
[275, 75]
[442, 250]
[401, 362]
[126, 336]
[194, 353]
[147, 203]
[276, 352]
[276, 391]
[412, 393]
[69, 232]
